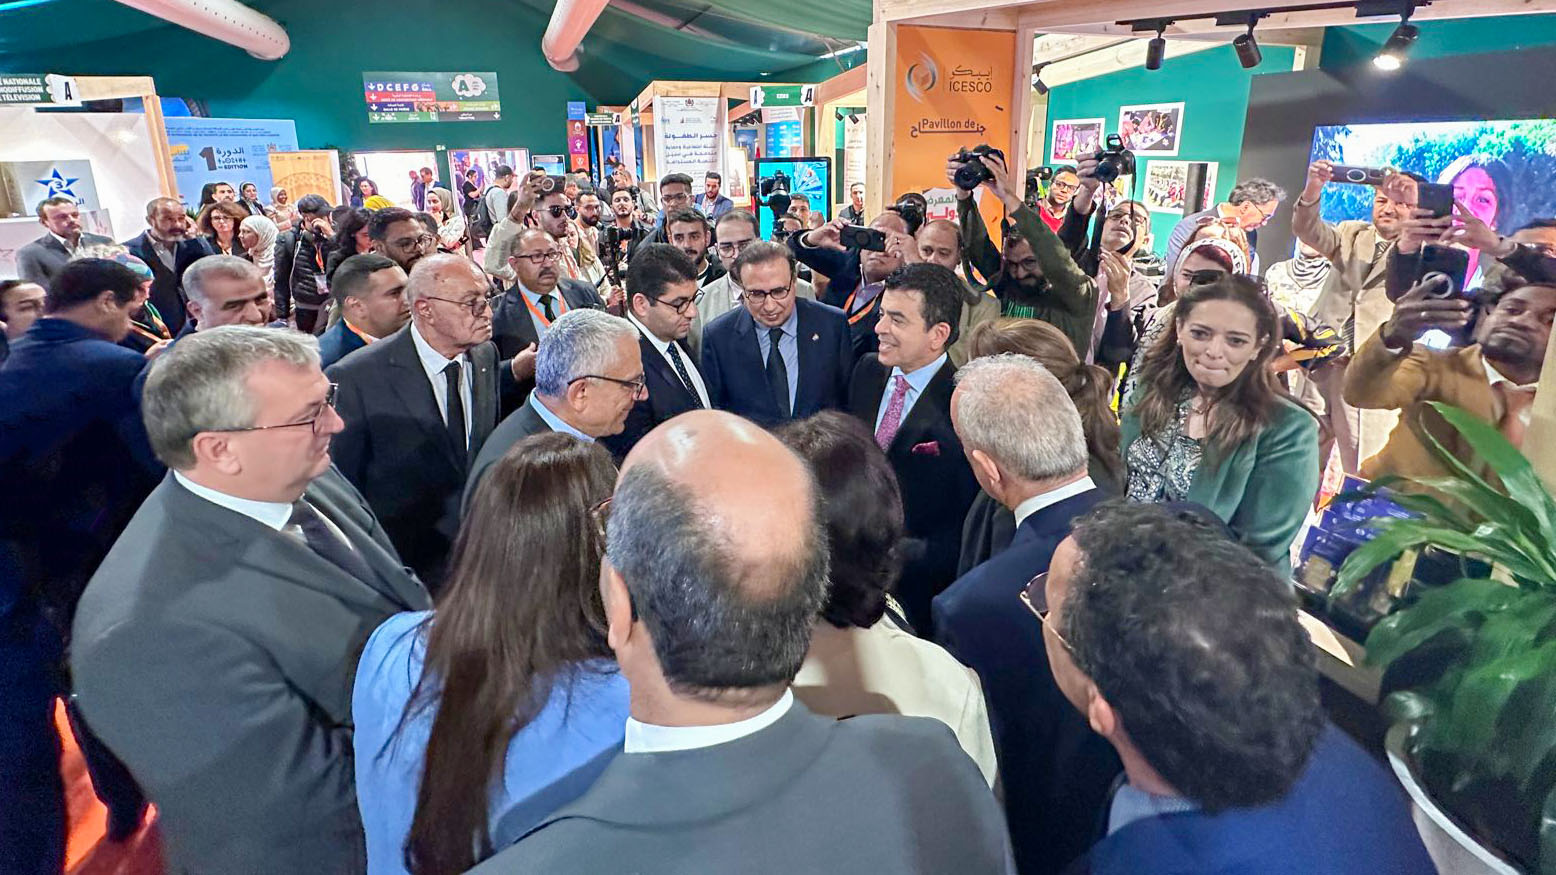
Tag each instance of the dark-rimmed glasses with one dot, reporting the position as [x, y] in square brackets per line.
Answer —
[539, 258]
[425, 241]
[761, 296]
[733, 247]
[1035, 594]
[637, 386]
[681, 307]
[476, 306]
[318, 414]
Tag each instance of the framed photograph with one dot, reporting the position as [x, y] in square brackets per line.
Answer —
[1073, 137]
[1151, 129]
[1166, 185]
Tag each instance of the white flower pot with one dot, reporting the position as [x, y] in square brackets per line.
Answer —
[1453, 849]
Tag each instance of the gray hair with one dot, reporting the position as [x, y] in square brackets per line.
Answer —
[579, 342]
[227, 267]
[1015, 410]
[1256, 191]
[423, 279]
[511, 245]
[157, 202]
[198, 384]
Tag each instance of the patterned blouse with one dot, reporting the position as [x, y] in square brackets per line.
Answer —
[1162, 465]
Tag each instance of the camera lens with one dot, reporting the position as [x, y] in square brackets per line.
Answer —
[1355, 175]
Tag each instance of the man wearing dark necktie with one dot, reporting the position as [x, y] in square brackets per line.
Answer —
[662, 284]
[214, 649]
[779, 356]
[418, 406]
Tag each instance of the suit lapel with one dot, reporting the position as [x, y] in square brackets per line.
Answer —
[748, 358]
[393, 580]
[655, 366]
[483, 395]
[512, 327]
[410, 383]
[928, 409]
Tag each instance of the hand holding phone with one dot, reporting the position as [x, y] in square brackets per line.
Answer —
[859, 237]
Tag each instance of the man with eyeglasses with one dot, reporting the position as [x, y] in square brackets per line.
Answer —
[215, 646]
[778, 357]
[399, 236]
[663, 303]
[1056, 203]
[1023, 437]
[855, 277]
[418, 406]
[523, 314]
[734, 231]
[1249, 206]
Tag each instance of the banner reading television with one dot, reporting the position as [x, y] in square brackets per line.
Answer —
[431, 97]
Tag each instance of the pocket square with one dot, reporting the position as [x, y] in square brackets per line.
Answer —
[927, 448]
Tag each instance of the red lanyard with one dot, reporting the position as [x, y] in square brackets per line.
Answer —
[539, 316]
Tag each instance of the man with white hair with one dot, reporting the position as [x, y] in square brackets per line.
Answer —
[418, 407]
[1023, 438]
[588, 375]
[214, 648]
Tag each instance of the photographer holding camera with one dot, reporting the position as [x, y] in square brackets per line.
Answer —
[856, 267]
[1034, 277]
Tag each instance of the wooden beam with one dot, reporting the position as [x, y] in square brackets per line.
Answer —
[1022, 96]
[844, 84]
[161, 149]
[916, 10]
[975, 19]
[114, 87]
[878, 120]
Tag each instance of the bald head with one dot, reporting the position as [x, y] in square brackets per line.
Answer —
[436, 272]
[940, 242]
[727, 571]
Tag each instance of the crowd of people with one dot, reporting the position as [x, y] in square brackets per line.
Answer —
[556, 531]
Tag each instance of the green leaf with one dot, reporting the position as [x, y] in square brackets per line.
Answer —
[1479, 699]
[1518, 477]
[1466, 479]
[1458, 605]
[1529, 725]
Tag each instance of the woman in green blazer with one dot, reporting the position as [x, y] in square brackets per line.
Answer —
[1209, 422]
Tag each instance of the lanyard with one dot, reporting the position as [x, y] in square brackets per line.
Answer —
[848, 305]
[536, 312]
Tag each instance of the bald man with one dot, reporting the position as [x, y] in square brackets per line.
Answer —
[523, 314]
[711, 583]
[940, 242]
[418, 406]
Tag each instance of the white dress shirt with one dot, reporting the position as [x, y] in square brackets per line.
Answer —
[1051, 497]
[648, 738]
[434, 363]
[686, 359]
[917, 380]
[1493, 377]
[271, 514]
[556, 423]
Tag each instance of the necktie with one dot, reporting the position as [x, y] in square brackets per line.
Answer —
[777, 372]
[887, 430]
[1516, 403]
[456, 413]
[680, 370]
[545, 307]
[321, 540]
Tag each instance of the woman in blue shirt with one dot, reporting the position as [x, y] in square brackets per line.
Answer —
[509, 685]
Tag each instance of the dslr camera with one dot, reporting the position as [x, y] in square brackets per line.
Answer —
[1114, 161]
[972, 173]
[1035, 178]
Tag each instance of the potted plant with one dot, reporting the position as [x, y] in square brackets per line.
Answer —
[1472, 664]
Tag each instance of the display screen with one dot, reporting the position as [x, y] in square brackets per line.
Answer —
[811, 177]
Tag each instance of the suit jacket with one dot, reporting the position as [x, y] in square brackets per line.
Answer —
[721, 205]
[337, 342]
[1378, 378]
[396, 448]
[843, 278]
[1056, 772]
[1262, 489]
[513, 329]
[215, 656]
[42, 259]
[722, 295]
[1355, 288]
[937, 484]
[167, 283]
[514, 427]
[668, 397]
[806, 794]
[1345, 815]
[736, 374]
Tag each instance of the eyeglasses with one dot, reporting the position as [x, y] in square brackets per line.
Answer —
[600, 515]
[674, 198]
[425, 241]
[1035, 593]
[557, 211]
[1264, 218]
[637, 386]
[733, 247]
[539, 258]
[476, 306]
[758, 296]
[314, 420]
[680, 307]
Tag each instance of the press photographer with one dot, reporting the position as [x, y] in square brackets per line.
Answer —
[856, 262]
[1034, 276]
[619, 238]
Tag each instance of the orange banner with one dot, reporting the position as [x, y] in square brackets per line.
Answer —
[954, 89]
[309, 171]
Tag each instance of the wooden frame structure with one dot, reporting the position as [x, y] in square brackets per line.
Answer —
[129, 87]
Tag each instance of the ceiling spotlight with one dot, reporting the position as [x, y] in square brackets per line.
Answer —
[1038, 84]
[853, 118]
[837, 114]
[1393, 54]
[1248, 53]
[1156, 49]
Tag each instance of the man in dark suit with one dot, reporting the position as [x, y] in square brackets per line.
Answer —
[1183, 649]
[76, 465]
[370, 289]
[712, 203]
[712, 584]
[418, 406]
[1023, 439]
[524, 313]
[904, 395]
[588, 377]
[662, 283]
[164, 245]
[780, 356]
[42, 259]
[215, 647]
[855, 277]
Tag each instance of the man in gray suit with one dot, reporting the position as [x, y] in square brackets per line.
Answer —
[716, 569]
[215, 647]
[40, 260]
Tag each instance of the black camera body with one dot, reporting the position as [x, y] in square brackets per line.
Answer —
[1035, 178]
[774, 192]
[862, 238]
[1114, 161]
[972, 173]
[549, 183]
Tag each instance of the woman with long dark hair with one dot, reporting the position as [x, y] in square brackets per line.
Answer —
[1210, 423]
[507, 692]
[365, 189]
[350, 239]
[860, 660]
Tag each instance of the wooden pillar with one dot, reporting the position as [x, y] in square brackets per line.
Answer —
[880, 99]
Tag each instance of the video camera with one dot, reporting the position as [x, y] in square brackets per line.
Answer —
[972, 173]
[618, 249]
[1035, 179]
[774, 191]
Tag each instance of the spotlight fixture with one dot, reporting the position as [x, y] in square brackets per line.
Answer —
[1247, 46]
[1156, 49]
[837, 114]
[1392, 56]
[1038, 84]
[853, 118]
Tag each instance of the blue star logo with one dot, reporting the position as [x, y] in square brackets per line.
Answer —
[59, 184]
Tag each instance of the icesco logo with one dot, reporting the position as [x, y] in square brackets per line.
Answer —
[469, 85]
[921, 77]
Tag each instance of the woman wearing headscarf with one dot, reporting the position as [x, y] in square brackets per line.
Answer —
[281, 210]
[258, 236]
[451, 225]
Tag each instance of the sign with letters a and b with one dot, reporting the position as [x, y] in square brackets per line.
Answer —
[38, 89]
[769, 96]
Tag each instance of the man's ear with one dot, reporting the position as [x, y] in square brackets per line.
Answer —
[1101, 716]
[618, 606]
[985, 464]
[215, 449]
